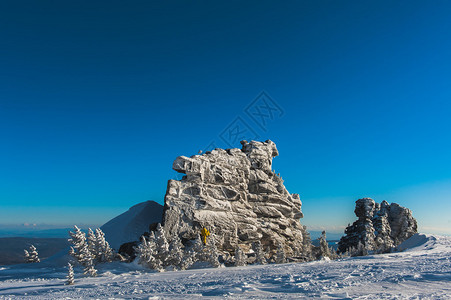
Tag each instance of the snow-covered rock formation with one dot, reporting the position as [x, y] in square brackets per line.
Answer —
[235, 194]
[379, 226]
[130, 225]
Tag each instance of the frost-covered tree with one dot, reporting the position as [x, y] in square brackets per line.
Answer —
[306, 244]
[90, 270]
[104, 253]
[361, 250]
[143, 252]
[70, 274]
[92, 243]
[87, 259]
[240, 257]
[78, 241]
[280, 254]
[26, 255]
[176, 254]
[260, 258]
[212, 252]
[188, 260]
[81, 251]
[324, 246]
[162, 245]
[31, 255]
[147, 254]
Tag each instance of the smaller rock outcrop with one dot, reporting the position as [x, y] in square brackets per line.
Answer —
[379, 227]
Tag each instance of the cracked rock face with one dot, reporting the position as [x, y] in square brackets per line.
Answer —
[379, 226]
[235, 194]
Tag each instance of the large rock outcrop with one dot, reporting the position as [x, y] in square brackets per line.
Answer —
[235, 194]
[379, 226]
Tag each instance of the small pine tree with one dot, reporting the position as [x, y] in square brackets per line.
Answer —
[86, 259]
[187, 261]
[175, 254]
[212, 252]
[92, 244]
[104, 251]
[78, 240]
[280, 254]
[198, 251]
[240, 257]
[162, 245]
[90, 271]
[70, 274]
[324, 246]
[260, 258]
[26, 256]
[306, 244]
[81, 250]
[147, 254]
[361, 250]
[31, 256]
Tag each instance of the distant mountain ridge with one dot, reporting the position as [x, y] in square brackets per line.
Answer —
[33, 233]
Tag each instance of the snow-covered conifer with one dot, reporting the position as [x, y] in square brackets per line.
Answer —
[175, 253]
[90, 270]
[31, 256]
[198, 250]
[147, 253]
[260, 258]
[143, 252]
[212, 251]
[72, 251]
[26, 256]
[306, 244]
[280, 254]
[162, 245]
[92, 244]
[87, 260]
[187, 261]
[70, 274]
[240, 257]
[78, 240]
[104, 251]
[81, 251]
[324, 246]
[361, 250]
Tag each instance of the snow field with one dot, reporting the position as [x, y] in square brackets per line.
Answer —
[422, 271]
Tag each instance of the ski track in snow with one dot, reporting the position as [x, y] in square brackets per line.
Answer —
[421, 272]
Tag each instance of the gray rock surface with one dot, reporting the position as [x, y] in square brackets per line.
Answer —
[379, 226]
[236, 195]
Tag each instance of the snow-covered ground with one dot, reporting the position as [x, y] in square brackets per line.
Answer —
[422, 270]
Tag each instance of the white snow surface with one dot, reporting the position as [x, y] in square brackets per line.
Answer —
[421, 271]
[130, 225]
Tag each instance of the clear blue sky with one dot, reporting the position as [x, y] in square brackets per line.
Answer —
[98, 98]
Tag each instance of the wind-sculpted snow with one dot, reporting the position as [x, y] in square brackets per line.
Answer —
[236, 195]
[423, 271]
